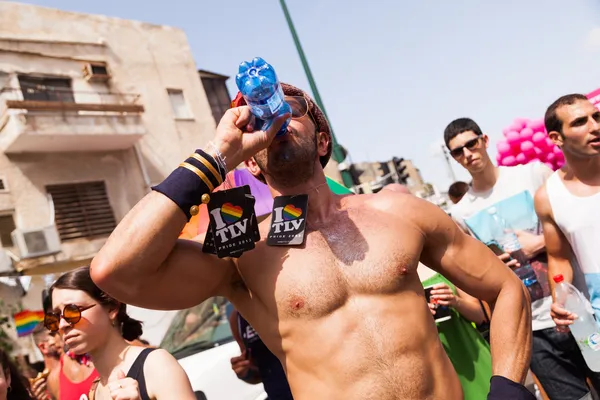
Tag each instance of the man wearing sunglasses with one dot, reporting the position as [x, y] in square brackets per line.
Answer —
[344, 312]
[555, 360]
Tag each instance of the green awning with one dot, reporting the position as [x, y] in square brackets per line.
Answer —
[337, 188]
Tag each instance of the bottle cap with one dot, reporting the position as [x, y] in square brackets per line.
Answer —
[558, 278]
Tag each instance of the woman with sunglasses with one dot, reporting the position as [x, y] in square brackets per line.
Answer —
[91, 322]
[13, 386]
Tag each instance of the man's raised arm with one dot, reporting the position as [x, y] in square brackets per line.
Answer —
[144, 263]
[471, 266]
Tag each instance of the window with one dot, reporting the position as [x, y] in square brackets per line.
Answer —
[82, 210]
[7, 225]
[178, 104]
[218, 96]
[199, 328]
[46, 89]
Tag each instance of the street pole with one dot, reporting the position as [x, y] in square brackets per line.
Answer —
[448, 163]
[337, 151]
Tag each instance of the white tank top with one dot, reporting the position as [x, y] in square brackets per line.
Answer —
[579, 220]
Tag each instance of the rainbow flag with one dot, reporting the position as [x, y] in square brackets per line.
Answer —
[26, 321]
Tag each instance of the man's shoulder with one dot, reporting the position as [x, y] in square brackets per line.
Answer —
[386, 200]
[533, 169]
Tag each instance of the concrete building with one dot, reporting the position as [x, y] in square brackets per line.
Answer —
[93, 111]
[373, 176]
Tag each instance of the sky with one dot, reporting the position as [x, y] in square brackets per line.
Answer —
[393, 73]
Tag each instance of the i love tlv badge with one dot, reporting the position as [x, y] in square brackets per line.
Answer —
[288, 220]
[231, 222]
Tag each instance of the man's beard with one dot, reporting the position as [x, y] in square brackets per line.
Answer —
[290, 164]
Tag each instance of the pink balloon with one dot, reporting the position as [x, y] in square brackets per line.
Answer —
[521, 158]
[559, 164]
[515, 127]
[559, 154]
[538, 152]
[503, 148]
[527, 147]
[509, 161]
[513, 138]
[550, 165]
[526, 134]
[539, 139]
[520, 122]
[538, 125]
[550, 157]
[549, 142]
[506, 130]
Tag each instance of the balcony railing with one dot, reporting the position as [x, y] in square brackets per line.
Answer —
[67, 100]
[62, 120]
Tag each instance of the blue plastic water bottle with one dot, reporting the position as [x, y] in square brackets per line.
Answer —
[258, 83]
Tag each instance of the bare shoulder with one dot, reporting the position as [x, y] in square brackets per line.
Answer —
[401, 204]
[542, 202]
[165, 378]
[160, 362]
[158, 356]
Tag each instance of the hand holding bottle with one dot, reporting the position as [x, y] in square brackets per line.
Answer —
[561, 317]
[236, 138]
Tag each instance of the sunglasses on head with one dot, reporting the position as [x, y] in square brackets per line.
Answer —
[470, 145]
[71, 313]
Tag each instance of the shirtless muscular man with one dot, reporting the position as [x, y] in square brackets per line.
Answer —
[345, 312]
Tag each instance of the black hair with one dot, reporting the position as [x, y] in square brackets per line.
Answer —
[80, 279]
[19, 385]
[458, 189]
[459, 126]
[551, 120]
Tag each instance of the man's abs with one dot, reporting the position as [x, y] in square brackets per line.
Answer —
[372, 348]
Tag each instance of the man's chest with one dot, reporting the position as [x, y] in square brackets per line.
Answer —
[371, 256]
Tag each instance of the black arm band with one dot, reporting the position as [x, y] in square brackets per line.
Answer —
[213, 162]
[185, 188]
[186, 185]
[502, 388]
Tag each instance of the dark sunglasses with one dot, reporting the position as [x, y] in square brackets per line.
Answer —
[470, 145]
[71, 313]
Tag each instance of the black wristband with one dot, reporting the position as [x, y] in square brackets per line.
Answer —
[502, 388]
[184, 188]
[198, 175]
[220, 169]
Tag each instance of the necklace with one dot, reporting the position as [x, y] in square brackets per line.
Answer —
[83, 359]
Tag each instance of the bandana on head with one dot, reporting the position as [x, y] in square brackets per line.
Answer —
[315, 112]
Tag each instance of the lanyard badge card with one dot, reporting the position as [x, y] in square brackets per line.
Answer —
[230, 230]
[288, 221]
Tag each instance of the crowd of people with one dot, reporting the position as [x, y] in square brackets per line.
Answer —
[344, 315]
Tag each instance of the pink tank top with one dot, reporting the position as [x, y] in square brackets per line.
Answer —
[75, 390]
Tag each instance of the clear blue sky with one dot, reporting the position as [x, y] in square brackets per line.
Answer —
[393, 73]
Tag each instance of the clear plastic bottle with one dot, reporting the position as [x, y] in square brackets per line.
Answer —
[506, 237]
[584, 328]
[258, 83]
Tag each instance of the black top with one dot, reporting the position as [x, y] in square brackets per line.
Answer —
[137, 372]
[269, 367]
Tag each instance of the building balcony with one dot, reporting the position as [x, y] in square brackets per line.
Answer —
[34, 121]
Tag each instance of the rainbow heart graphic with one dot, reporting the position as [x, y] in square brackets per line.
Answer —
[290, 212]
[231, 213]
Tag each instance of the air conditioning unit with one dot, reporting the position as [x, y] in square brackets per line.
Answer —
[96, 72]
[5, 262]
[37, 242]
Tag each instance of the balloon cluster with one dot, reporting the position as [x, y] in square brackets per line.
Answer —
[526, 141]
